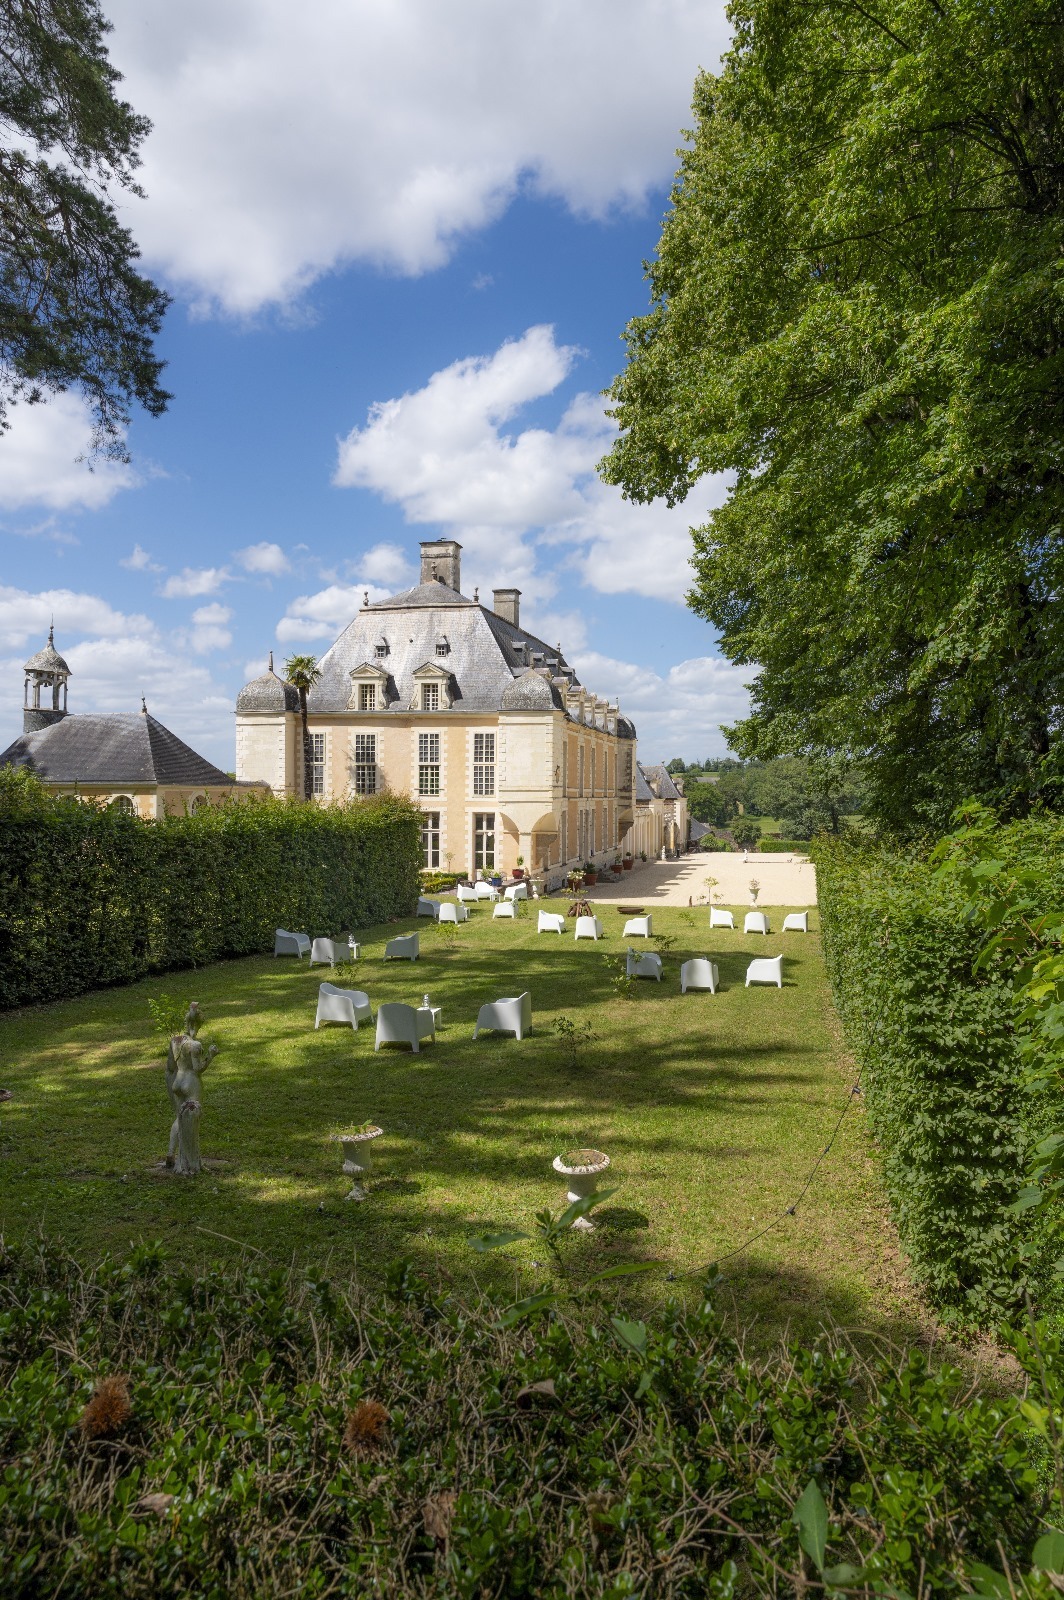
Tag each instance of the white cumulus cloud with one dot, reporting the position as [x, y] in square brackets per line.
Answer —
[265, 558]
[676, 713]
[194, 581]
[45, 459]
[454, 454]
[139, 560]
[288, 142]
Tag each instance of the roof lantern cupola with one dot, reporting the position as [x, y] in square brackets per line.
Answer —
[44, 671]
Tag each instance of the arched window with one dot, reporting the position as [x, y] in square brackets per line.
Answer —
[199, 803]
[123, 803]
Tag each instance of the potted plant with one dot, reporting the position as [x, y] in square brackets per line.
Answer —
[642, 855]
[590, 874]
[575, 879]
[755, 889]
[519, 870]
[627, 862]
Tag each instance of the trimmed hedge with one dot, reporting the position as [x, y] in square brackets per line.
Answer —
[261, 1437]
[768, 841]
[91, 897]
[941, 1072]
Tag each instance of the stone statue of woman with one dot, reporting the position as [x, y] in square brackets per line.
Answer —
[187, 1059]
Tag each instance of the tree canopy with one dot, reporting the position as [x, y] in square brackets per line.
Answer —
[857, 312]
[74, 311]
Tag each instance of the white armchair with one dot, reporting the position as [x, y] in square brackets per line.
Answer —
[342, 1005]
[486, 891]
[796, 922]
[699, 973]
[427, 906]
[405, 948]
[648, 966]
[550, 922]
[765, 969]
[504, 908]
[453, 913]
[290, 944]
[638, 928]
[720, 919]
[400, 1024]
[507, 1016]
[517, 891]
[588, 928]
[327, 952]
[755, 922]
[467, 895]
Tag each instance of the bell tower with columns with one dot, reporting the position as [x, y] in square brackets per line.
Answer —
[46, 681]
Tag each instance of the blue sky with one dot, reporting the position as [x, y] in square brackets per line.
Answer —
[403, 247]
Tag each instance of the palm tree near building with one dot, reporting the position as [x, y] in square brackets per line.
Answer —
[303, 672]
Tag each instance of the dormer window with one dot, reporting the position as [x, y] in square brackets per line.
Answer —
[442, 647]
[369, 688]
[433, 688]
[380, 649]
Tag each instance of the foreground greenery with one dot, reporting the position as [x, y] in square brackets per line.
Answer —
[712, 1108]
[857, 311]
[234, 1435]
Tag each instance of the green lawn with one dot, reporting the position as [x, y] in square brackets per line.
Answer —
[712, 1108]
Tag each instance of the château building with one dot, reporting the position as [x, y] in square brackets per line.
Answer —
[128, 760]
[507, 753]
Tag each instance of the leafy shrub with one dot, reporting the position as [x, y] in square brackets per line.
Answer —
[89, 896]
[440, 882]
[941, 1071]
[713, 842]
[791, 846]
[300, 1438]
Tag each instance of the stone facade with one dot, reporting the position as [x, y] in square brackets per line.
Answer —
[449, 700]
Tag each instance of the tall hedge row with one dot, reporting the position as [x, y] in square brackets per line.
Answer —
[90, 897]
[941, 1072]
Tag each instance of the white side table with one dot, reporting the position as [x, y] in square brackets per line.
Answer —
[435, 1012]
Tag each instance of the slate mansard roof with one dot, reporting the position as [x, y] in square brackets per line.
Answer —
[117, 749]
[491, 664]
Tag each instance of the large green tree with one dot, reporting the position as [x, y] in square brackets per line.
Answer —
[74, 311]
[857, 312]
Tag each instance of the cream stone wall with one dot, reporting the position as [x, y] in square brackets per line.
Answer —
[537, 777]
[266, 749]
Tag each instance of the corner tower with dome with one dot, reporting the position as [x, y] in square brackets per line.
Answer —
[442, 697]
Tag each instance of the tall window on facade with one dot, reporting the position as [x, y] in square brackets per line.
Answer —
[430, 697]
[428, 763]
[484, 763]
[565, 770]
[484, 840]
[594, 769]
[365, 763]
[317, 763]
[580, 770]
[367, 697]
[628, 769]
[563, 838]
[122, 803]
[430, 838]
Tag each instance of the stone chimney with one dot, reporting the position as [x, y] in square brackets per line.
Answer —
[441, 560]
[506, 603]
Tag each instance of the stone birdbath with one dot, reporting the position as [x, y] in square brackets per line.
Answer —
[357, 1153]
[580, 1169]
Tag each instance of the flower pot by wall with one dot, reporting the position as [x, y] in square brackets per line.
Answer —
[590, 878]
[627, 863]
[519, 873]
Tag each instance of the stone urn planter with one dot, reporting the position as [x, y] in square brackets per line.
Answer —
[358, 1156]
[581, 1169]
[518, 874]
